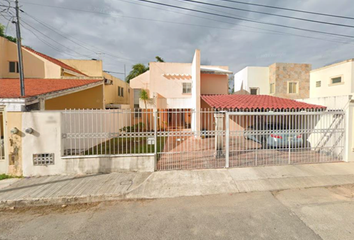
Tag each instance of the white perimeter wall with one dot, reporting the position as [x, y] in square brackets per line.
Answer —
[347, 105]
[47, 138]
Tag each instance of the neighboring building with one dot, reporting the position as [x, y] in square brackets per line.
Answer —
[180, 86]
[252, 80]
[51, 94]
[40, 66]
[37, 65]
[333, 80]
[286, 80]
[116, 91]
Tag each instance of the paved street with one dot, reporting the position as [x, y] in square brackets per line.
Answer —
[316, 213]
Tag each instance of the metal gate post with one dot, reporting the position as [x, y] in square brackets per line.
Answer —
[155, 114]
[227, 141]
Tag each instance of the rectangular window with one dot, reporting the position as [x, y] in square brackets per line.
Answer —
[318, 83]
[122, 92]
[187, 87]
[118, 91]
[292, 87]
[136, 96]
[336, 80]
[272, 88]
[13, 67]
[137, 111]
[254, 91]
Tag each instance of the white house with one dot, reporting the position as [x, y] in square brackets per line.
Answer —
[333, 80]
[253, 80]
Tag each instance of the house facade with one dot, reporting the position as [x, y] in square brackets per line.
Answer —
[286, 80]
[116, 91]
[333, 80]
[40, 66]
[173, 86]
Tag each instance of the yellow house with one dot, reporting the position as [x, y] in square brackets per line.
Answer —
[36, 65]
[40, 66]
[116, 91]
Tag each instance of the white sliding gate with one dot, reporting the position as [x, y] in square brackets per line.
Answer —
[280, 138]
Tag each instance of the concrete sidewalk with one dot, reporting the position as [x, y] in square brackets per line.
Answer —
[117, 186]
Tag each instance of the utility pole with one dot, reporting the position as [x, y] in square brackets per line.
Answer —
[19, 50]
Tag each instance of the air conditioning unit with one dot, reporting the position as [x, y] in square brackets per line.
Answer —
[108, 82]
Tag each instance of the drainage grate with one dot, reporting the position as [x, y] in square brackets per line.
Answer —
[43, 159]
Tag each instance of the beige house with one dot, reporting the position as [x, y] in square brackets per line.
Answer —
[116, 91]
[286, 80]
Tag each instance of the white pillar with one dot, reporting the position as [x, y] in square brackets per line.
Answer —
[219, 127]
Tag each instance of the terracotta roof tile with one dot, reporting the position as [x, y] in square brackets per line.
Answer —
[55, 61]
[256, 102]
[10, 88]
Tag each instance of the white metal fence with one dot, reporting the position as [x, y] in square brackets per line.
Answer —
[186, 139]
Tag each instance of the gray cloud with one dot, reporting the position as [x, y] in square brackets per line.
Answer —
[118, 31]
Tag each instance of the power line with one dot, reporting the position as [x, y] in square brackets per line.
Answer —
[290, 9]
[270, 14]
[113, 72]
[246, 19]
[45, 35]
[77, 42]
[46, 43]
[197, 25]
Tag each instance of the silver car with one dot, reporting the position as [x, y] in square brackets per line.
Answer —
[274, 136]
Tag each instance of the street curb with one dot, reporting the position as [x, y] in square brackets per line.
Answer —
[58, 201]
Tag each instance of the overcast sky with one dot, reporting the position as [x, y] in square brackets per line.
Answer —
[129, 32]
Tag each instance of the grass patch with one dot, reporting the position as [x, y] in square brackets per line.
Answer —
[4, 176]
[128, 145]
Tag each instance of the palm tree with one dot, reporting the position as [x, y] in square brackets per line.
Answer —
[159, 59]
[140, 68]
[145, 97]
[137, 69]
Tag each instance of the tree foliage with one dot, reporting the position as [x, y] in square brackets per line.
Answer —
[2, 34]
[144, 96]
[137, 69]
[140, 68]
[159, 59]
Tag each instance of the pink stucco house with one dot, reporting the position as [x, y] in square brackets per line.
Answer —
[178, 87]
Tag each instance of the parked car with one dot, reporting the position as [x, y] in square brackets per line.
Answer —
[274, 136]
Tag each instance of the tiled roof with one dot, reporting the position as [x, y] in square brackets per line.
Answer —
[55, 61]
[256, 102]
[10, 88]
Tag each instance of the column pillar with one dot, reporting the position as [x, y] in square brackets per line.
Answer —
[219, 128]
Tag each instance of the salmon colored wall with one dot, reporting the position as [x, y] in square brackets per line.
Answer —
[90, 98]
[141, 82]
[214, 84]
[168, 87]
